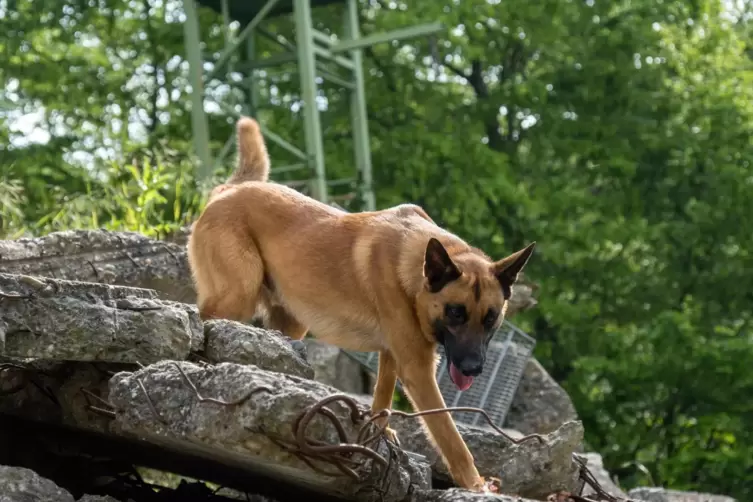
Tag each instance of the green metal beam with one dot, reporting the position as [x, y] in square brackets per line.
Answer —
[276, 60]
[379, 38]
[229, 144]
[327, 54]
[323, 38]
[322, 68]
[358, 111]
[274, 138]
[278, 140]
[199, 122]
[288, 169]
[228, 52]
[252, 93]
[307, 73]
[316, 54]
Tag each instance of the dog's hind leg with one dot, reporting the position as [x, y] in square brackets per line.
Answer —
[228, 273]
[280, 319]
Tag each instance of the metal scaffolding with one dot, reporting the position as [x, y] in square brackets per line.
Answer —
[313, 52]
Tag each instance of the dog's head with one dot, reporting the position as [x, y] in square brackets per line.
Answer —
[463, 303]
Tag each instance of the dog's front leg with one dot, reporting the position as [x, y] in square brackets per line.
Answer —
[384, 389]
[416, 371]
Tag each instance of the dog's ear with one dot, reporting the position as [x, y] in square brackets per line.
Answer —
[507, 269]
[439, 269]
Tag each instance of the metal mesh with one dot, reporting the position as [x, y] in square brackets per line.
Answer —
[493, 390]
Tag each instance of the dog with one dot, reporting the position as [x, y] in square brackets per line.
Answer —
[388, 281]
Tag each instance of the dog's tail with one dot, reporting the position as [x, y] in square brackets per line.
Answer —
[253, 159]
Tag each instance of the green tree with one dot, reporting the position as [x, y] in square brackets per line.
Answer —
[616, 134]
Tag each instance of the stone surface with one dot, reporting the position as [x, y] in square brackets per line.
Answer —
[656, 494]
[522, 296]
[531, 469]
[97, 498]
[124, 258]
[18, 484]
[333, 367]
[540, 405]
[167, 408]
[54, 319]
[234, 342]
[460, 495]
[595, 464]
[52, 391]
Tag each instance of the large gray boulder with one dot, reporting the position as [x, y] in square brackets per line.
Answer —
[65, 320]
[18, 484]
[540, 405]
[334, 368]
[460, 495]
[163, 403]
[58, 392]
[595, 464]
[657, 494]
[234, 342]
[123, 258]
[531, 469]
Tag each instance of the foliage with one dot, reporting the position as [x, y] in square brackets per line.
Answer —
[616, 134]
[152, 199]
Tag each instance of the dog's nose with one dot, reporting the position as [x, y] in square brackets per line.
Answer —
[471, 366]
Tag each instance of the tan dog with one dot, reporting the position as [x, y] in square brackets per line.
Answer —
[389, 281]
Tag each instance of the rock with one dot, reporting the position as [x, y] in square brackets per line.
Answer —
[64, 320]
[18, 484]
[54, 392]
[540, 405]
[265, 406]
[460, 495]
[333, 367]
[655, 494]
[530, 469]
[123, 258]
[97, 498]
[595, 464]
[522, 298]
[234, 342]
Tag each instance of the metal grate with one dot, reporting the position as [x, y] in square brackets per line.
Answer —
[493, 390]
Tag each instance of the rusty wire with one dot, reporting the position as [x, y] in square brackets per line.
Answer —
[29, 375]
[195, 390]
[587, 477]
[104, 408]
[14, 296]
[386, 413]
[341, 455]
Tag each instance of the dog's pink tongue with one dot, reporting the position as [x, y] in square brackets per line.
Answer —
[461, 381]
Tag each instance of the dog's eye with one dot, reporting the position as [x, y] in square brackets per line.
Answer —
[490, 318]
[456, 313]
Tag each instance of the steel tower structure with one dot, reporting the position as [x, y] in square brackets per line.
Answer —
[314, 53]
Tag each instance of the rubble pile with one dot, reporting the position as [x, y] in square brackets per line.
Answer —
[105, 362]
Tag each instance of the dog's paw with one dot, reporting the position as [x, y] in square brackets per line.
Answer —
[391, 436]
[491, 485]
